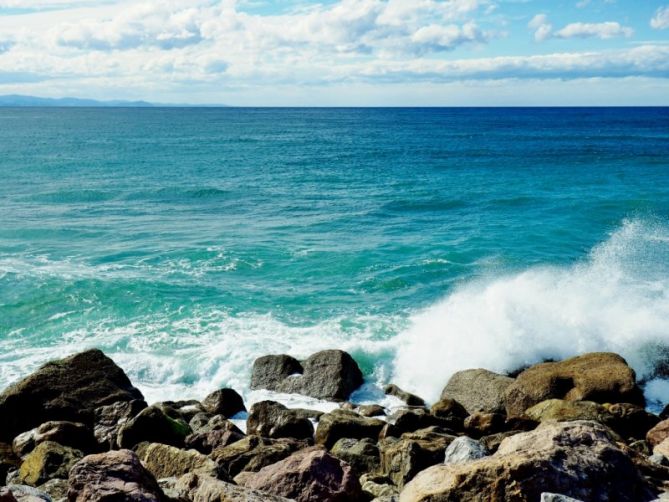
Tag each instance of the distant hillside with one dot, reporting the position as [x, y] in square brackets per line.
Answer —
[18, 100]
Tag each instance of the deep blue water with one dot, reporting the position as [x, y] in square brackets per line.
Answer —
[186, 242]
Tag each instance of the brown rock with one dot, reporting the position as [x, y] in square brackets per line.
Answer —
[346, 424]
[165, 461]
[273, 420]
[478, 390]
[601, 377]
[658, 433]
[310, 475]
[112, 476]
[47, 461]
[577, 459]
[200, 488]
[252, 453]
[483, 424]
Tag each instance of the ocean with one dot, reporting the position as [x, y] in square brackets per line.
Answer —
[187, 242]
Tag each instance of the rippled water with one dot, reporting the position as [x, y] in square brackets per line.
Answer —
[187, 242]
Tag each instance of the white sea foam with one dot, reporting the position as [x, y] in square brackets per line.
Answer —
[617, 300]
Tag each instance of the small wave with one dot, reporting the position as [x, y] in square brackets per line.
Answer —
[72, 196]
[617, 300]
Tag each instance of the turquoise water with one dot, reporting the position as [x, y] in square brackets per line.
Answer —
[187, 242]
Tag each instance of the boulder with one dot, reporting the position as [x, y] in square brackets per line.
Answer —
[269, 372]
[68, 389]
[403, 458]
[601, 377]
[478, 390]
[115, 475]
[72, 434]
[376, 486]
[409, 420]
[578, 459]
[110, 418]
[310, 475]
[567, 411]
[165, 461]
[464, 449]
[361, 454]
[658, 433]
[252, 453]
[371, 410]
[201, 488]
[199, 421]
[346, 424]
[154, 426]
[273, 420]
[330, 374]
[216, 433]
[452, 412]
[481, 424]
[47, 461]
[407, 397]
[226, 402]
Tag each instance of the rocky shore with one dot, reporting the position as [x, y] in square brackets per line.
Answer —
[77, 430]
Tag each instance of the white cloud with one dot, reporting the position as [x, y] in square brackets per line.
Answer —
[604, 31]
[660, 20]
[542, 28]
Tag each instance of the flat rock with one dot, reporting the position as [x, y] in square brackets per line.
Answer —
[601, 377]
[477, 390]
[115, 475]
[578, 459]
[310, 475]
[67, 389]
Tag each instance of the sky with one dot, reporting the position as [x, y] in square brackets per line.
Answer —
[339, 52]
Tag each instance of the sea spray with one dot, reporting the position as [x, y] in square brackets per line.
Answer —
[617, 300]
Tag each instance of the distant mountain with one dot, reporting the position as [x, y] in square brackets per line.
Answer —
[19, 100]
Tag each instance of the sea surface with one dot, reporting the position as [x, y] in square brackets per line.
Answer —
[187, 242]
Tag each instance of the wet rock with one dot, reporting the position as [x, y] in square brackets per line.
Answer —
[371, 410]
[200, 488]
[115, 475]
[361, 454]
[403, 458]
[568, 411]
[154, 426]
[464, 449]
[110, 418]
[478, 390]
[269, 372]
[72, 434]
[578, 459]
[452, 412]
[330, 374]
[165, 461]
[658, 433]
[601, 377]
[273, 420]
[199, 421]
[310, 475]
[225, 402]
[47, 461]
[484, 424]
[346, 424]
[68, 390]
[253, 453]
[407, 397]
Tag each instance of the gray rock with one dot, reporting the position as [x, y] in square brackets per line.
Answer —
[23, 493]
[478, 390]
[153, 425]
[197, 487]
[361, 454]
[273, 420]
[464, 449]
[330, 374]
[225, 402]
[555, 497]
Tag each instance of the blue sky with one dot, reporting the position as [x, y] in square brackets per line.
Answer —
[339, 52]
